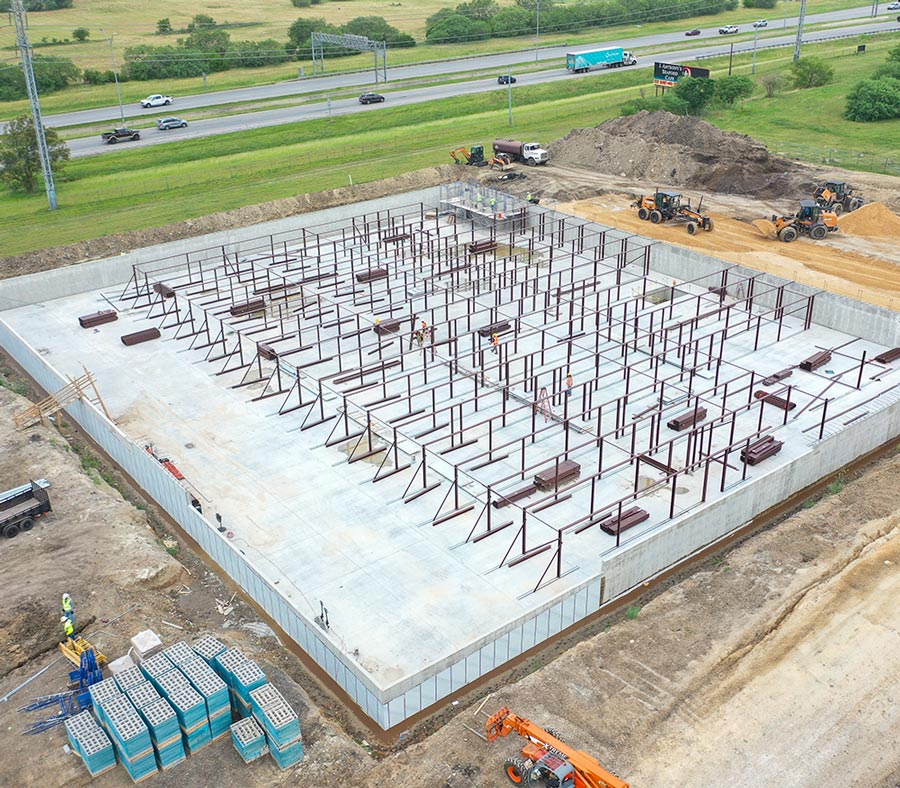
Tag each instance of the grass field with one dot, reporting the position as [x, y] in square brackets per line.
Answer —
[134, 189]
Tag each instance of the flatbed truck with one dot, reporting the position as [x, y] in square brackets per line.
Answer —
[21, 506]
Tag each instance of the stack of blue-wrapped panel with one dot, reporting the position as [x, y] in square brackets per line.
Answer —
[156, 666]
[209, 648]
[91, 743]
[130, 737]
[241, 674]
[130, 677]
[214, 691]
[101, 691]
[179, 652]
[164, 732]
[281, 724]
[249, 739]
[142, 694]
[190, 708]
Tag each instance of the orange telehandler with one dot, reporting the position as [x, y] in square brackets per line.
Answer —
[546, 760]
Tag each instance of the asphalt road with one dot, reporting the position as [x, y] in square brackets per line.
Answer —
[692, 48]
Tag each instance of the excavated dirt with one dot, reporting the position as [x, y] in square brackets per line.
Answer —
[873, 219]
[681, 151]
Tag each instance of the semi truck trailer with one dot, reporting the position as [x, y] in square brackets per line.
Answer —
[612, 57]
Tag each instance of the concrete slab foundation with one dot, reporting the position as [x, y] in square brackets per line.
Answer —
[437, 434]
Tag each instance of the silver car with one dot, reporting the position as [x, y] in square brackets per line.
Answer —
[164, 124]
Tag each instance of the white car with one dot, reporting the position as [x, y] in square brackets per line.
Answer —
[156, 100]
[728, 30]
[893, 7]
[761, 23]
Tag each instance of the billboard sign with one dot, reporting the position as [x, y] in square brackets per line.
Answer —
[666, 75]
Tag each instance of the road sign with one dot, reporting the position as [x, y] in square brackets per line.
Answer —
[667, 74]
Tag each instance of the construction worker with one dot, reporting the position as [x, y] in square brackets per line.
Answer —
[569, 383]
[530, 197]
[495, 342]
[493, 203]
[68, 626]
[478, 199]
[68, 607]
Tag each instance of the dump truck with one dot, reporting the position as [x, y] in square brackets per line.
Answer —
[613, 57]
[529, 152]
[21, 506]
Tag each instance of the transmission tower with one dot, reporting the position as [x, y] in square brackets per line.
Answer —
[800, 21]
[28, 67]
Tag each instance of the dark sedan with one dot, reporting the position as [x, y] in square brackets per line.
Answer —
[694, 32]
[506, 79]
[371, 98]
[164, 124]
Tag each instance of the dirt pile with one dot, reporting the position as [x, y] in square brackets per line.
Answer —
[681, 151]
[872, 219]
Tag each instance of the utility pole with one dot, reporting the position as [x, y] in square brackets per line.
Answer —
[509, 91]
[27, 66]
[537, 32]
[112, 56]
[755, 42]
[799, 30]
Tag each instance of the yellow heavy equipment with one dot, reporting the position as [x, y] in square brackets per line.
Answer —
[811, 219]
[838, 197]
[669, 207]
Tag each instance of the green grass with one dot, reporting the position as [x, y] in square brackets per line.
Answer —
[633, 612]
[142, 188]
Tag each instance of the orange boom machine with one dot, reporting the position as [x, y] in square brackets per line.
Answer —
[546, 760]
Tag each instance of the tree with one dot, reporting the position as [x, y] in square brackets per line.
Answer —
[376, 28]
[485, 10]
[81, 34]
[301, 30]
[19, 158]
[760, 3]
[771, 83]
[163, 26]
[12, 84]
[734, 88]
[201, 22]
[811, 72]
[894, 54]
[695, 93]
[890, 70]
[874, 99]
[54, 73]
[512, 22]
[458, 28]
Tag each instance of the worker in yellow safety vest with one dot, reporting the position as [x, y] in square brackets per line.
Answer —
[68, 626]
[68, 607]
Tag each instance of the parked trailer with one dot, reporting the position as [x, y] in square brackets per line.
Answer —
[613, 57]
[21, 506]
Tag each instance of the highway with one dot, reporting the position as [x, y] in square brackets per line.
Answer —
[689, 49]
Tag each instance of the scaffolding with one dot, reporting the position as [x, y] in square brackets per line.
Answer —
[437, 343]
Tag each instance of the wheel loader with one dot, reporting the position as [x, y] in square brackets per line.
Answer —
[669, 207]
[811, 219]
[838, 197]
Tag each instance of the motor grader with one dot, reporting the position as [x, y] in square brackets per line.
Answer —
[547, 761]
[670, 207]
[811, 219]
[838, 197]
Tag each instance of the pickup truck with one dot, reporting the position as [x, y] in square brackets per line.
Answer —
[21, 506]
[112, 137]
[728, 30]
[156, 100]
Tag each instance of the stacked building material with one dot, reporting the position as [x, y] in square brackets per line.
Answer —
[91, 743]
[281, 724]
[130, 677]
[179, 652]
[143, 694]
[101, 691]
[190, 708]
[248, 739]
[165, 733]
[145, 644]
[130, 737]
[214, 692]
[156, 666]
[209, 648]
[242, 675]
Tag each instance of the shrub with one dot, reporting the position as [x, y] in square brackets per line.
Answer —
[81, 34]
[811, 72]
[734, 88]
[874, 99]
[771, 83]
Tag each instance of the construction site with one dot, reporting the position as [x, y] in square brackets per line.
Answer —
[447, 450]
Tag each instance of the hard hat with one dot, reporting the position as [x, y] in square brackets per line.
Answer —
[66, 596]
[63, 620]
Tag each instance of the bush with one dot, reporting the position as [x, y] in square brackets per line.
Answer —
[733, 88]
[81, 34]
[54, 73]
[811, 72]
[163, 26]
[376, 28]
[458, 28]
[889, 70]
[874, 99]
[12, 84]
[760, 3]
[512, 22]
[771, 83]
[301, 3]
[695, 93]
[93, 76]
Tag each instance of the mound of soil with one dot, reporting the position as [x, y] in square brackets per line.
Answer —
[872, 219]
[681, 151]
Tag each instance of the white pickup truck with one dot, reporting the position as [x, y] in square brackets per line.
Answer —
[156, 100]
